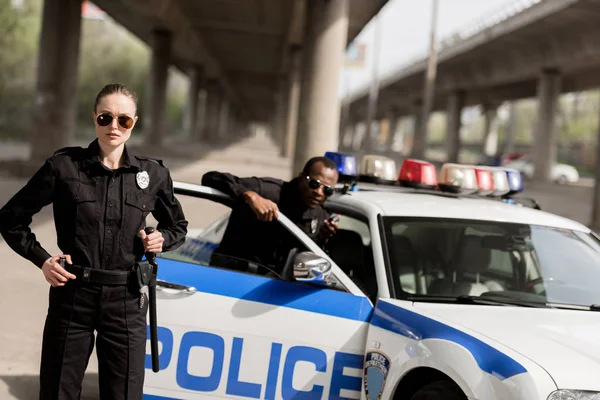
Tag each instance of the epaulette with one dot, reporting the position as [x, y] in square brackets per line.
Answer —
[68, 150]
[154, 160]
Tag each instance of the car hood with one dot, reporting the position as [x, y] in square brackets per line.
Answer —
[566, 343]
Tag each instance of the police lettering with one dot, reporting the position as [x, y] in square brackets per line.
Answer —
[236, 387]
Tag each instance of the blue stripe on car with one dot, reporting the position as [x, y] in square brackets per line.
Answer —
[272, 291]
[418, 327]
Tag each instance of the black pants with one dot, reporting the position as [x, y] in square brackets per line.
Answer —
[77, 310]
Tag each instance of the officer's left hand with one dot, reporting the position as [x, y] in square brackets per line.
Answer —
[328, 230]
[153, 242]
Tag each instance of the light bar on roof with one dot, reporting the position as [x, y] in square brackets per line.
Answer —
[458, 178]
[499, 179]
[418, 174]
[515, 181]
[377, 169]
[485, 182]
[346, 165]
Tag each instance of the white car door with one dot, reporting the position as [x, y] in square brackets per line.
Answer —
[228, 334]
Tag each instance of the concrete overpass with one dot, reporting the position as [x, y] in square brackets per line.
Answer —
[253, 57]
[546, 48]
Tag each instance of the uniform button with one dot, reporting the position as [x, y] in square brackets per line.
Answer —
[143, 206]
[110, 204]
[106, 257]
[76, 197]
[109, 231]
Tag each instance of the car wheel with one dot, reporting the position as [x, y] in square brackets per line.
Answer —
[562, 180]
[440, 390]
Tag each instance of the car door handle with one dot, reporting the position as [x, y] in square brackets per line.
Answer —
[161, 285]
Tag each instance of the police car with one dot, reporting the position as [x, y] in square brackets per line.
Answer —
[435, 287]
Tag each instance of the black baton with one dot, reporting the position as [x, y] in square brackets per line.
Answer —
[151, 257]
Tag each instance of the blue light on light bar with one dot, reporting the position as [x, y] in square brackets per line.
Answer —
[515, 181]
[346, 164]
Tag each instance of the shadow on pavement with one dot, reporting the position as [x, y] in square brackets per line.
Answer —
[26, 387]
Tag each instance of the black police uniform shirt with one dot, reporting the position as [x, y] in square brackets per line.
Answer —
[248, 238]
[98, 212]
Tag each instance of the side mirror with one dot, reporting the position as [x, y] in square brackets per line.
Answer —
[306, 267]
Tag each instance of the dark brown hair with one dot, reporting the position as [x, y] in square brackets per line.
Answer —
[113, 88]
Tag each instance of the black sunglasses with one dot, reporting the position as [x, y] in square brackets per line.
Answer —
[314, 184]
[106, 119]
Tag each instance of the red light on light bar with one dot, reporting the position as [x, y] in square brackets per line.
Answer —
[485, 181]
[418, 174]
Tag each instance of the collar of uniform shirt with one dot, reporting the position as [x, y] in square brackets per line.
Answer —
[93, 157]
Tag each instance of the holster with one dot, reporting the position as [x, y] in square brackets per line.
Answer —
[142, 270]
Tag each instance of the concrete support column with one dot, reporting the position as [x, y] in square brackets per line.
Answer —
[392, 118]
[201, 120]
[419, 137]
[279, 117]
[489, 142]
[213, 110]
[157, 91]
[190, 120]
[419, 140]
[511, 129]
[544, 150]
[293, 103]
[224, 119]
[55, 114]
[319, 118]
[456, 102]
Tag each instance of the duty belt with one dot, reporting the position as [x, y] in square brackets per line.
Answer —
[98, 276]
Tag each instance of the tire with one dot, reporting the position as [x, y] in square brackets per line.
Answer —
[562, 180]
[440, 390]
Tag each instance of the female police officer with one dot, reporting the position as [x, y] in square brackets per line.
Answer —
[101, 196]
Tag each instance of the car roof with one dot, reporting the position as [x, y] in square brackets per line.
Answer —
[416, 204]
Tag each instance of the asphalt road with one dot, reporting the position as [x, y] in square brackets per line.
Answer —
[23, 299]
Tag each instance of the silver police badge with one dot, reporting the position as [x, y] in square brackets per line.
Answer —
[377, 366]
[313, 225]
[142, 179]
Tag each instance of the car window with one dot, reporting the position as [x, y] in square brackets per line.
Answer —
[350, 248]
[208, 221]
[433, 257]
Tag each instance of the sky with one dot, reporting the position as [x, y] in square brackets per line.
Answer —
[404, 33]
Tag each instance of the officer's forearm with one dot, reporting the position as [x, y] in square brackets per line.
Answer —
[24, 243]
[174, 237]
[230, 184]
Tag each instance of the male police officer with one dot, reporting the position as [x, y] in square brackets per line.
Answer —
[250, 236]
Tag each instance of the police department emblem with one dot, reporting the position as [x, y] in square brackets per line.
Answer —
[313, 225]
[143, 179]
[377, 366]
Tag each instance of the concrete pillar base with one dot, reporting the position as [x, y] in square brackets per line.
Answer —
[419, 136]
[190, 121]
[157, 93]
[55, 114]
[293, 103]
[544, 151]
[213, 110]
[456, 103]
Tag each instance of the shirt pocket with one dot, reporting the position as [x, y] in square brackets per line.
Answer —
[137, 207]
[83, 199]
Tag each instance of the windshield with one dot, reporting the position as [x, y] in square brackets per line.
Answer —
[528, 263]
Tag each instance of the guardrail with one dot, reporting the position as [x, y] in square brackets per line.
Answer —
[478, 25]
[493, 18]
